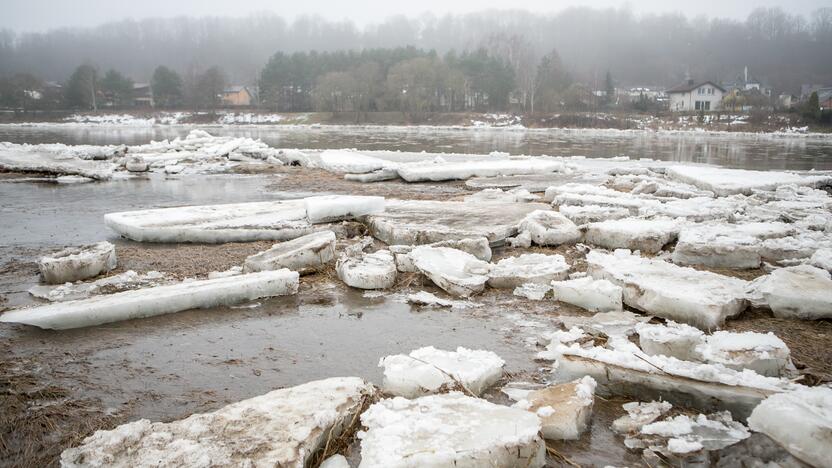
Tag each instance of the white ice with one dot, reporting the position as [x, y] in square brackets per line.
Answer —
[763, 353]
[585, 214]
[565, 410]
[158, 300]
[458, 273]
[429, 370]
[350, 162]
[303, 254]
[638, 415]
[588, 293]
[726, 245]
[673, 340]
[512, 272]
[468, 169]
[281, 428]
[78, 263]
[440, 431]
[329, 208]
[724, 182]
[801, 292]
[646, 235]
[375, 270]
[699, 298]
[551, 228]
[111, 284]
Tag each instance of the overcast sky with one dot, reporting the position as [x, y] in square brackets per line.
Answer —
[39, 15]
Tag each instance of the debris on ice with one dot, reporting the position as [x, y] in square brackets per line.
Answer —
[548, 227]
[458, 273]
[532, 291]
[512, 272]
[699, 298]
[157, 300]
[588, 293]
[281, 428]
[303, 254]
[520, 241]
[449, 430]
[329, 208]
[802, 292]
[78, 263]
[375, 270]
[800, 421]
[430, 370]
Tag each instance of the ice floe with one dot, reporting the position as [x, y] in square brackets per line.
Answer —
[801, 292]
[683, 434]
[375, 270]
[25, 158]
[639, 415]
[645, 235]
[699, 298]
[726, 245]
[304, 254]
[585, 214]
[78, 263]
[458, 273]
[800, 421]
[673, 340]
[284, 427]
[724, 182]
[483, 168]
[350, 162]
[565, 410]
[430, 370]
[148, 302]
[512, 272]
[449, 430]
[551, 228]
[588, 293]
[111, 284]
[329, 208]
[763, 353]
[424, 298]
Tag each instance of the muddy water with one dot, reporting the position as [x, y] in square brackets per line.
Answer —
[761, 153]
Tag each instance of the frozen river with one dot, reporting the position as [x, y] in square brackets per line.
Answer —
[736, 151]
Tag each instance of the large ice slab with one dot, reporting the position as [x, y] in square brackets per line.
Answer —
[726, 245]
[512, 272]
[482, 168]
[548, 227]
[109, 285]
[426, 222]
[585, 214]
[724, 182]
[329, 208]
[350, 162]
[157, 300]
[478, 247]
[284, 427]
[375, 270]
[673, 340]
[303, 254]
[646, 235]
[430, 370]
[588, 293]
[699, 298]
[622, 368]
[565, 410]
[18, 158]
[683, 435]
[800, 421]
[237, 222]
[78, 263]
[449, 430]
[802, 292]
[458, 273]
[764, 353]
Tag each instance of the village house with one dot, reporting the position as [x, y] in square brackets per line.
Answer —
[692, 96]
[239, 96]
[142, 95]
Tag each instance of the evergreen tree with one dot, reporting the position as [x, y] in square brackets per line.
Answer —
[609, 89]
[82, 87]
[117, 87]
[167, 86]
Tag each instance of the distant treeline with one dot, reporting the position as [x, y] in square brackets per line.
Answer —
[641, 50]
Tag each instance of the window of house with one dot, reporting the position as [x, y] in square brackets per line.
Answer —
[698, 105]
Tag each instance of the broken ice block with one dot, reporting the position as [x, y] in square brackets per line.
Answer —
[303, 254]
[427, 370]
[550, 228]
[646, 235]
[457, 272]
[564, 410]
[699, 298]
[350, 161]
[592, 213]
[78, 263]
[367, 271]
[802, 292]
[763, 353]
[425, 298]
[638, 415]
[725, 245]
[512, 272]
[673, 340]
[800, 421]
[590, 294]
[449, 430]
[157, 300]
[281, 428]
[329, 208]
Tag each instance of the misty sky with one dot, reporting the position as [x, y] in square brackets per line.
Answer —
[40, 15]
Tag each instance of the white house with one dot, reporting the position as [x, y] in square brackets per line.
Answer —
[691, 96]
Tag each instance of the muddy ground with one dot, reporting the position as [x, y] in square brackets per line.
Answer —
[58, 387]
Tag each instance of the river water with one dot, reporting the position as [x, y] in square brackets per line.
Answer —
[743, 152]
